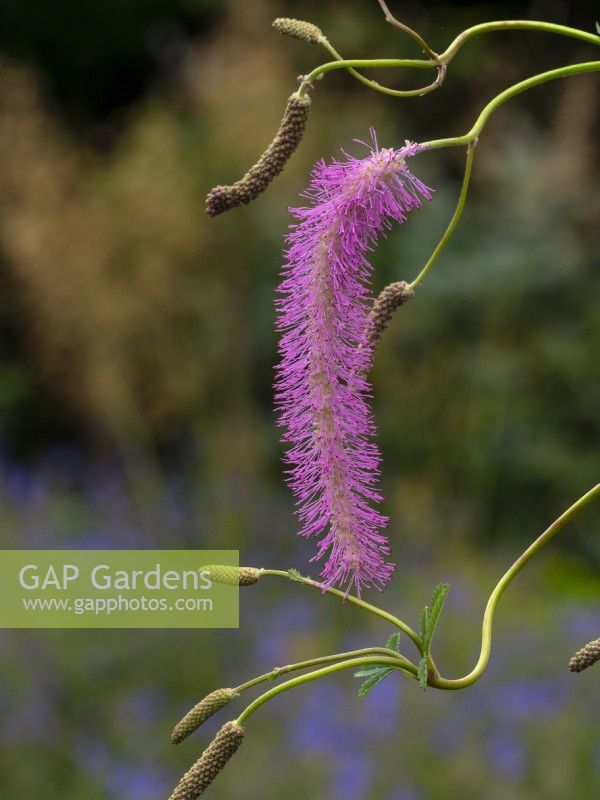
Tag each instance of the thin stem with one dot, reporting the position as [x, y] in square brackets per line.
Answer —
[470, 139]
[313, 676]
[389, 17]
[313, 662]
[370, 63]
[488, 617]
[379, 612]
[514, 24]
[385, 89]
[455, 217]
[436, 60]
[507, 94]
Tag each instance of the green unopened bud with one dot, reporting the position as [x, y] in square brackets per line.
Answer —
[299, 29]
[210, 763]
[391, 298]
[270, 164]
[240, 576]
[585, 657]
[212, 703]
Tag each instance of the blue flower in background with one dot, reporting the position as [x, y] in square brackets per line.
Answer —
[506, 754]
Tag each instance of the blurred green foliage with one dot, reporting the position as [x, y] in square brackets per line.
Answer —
[136, 329]
[133, 322]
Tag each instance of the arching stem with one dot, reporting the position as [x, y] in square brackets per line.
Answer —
[379, 612]
[313, 662]
[471, 138]
[507, 94]
[387, 657]
[435, 61]
[488, 617]
[370, 63]
[316, 675]
[441, 74]
[514, 25]
[455, 217]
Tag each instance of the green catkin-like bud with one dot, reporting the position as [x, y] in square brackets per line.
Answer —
[391, 298]
[585, 657]
[212, 703]
[210, 763]
[299, 29]
[270, 164]
[240, 576]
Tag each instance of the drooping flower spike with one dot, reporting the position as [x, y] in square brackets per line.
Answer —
[321, 390]
[212, 761]
[586, 657]
[269, 165]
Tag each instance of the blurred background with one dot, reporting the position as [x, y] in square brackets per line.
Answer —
[136, 362]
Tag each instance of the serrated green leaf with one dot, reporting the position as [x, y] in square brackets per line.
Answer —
[368, 671]
[393, 642]
[422, 675]
[294, 575]
[373, 680]
[435, 609]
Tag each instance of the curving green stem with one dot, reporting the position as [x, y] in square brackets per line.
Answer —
[470, 139]
[515, 24]
[370, 63]
[436, 61]
[488, 617]
[315, 675]
[403, 663]
[379, 612]
[507, 94]
[387, 657]
[455, 217]
[441, 68]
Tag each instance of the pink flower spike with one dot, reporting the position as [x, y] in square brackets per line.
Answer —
[321, 392]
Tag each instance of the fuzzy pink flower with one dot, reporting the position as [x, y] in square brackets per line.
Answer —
[321, 390]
